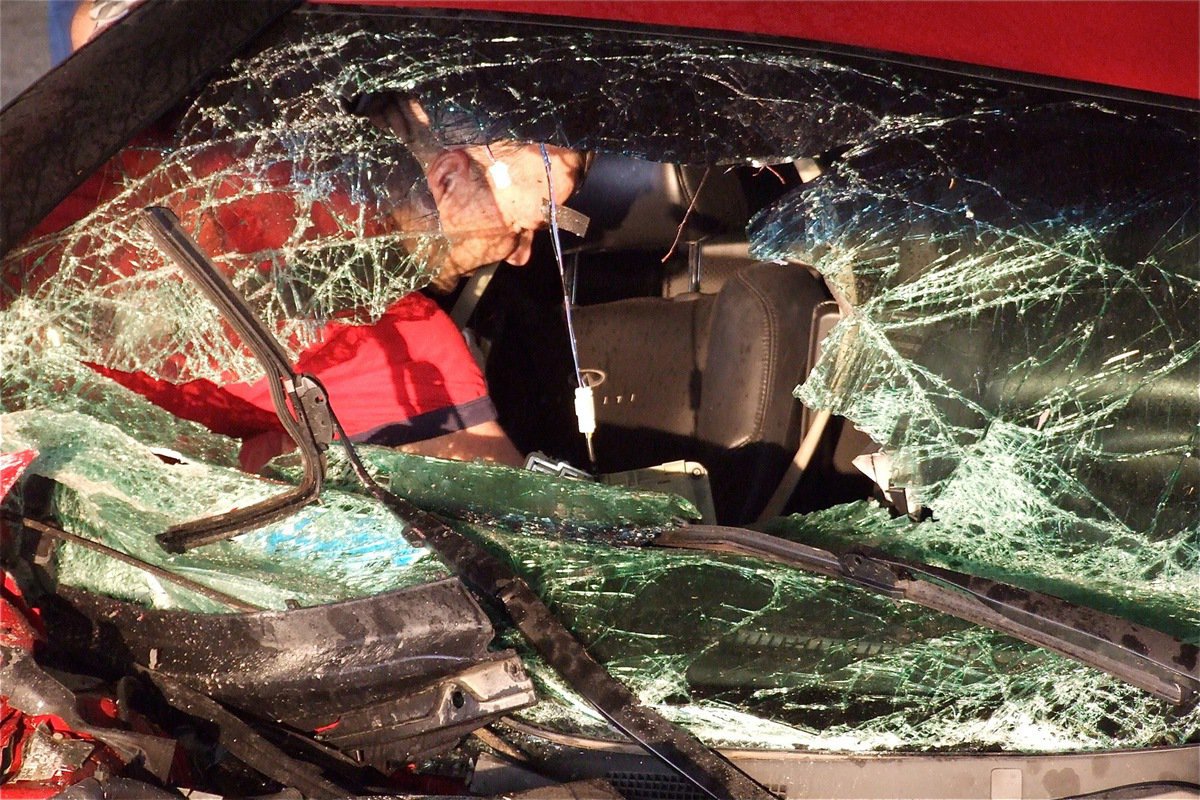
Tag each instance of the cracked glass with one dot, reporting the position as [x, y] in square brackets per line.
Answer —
[1023, 340]
[295, 196]
[750, 655]
[1018, 274]
[741, 652]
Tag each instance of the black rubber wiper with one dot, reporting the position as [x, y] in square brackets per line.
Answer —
[490, 578]
[55, 533]
[1141, 656]
[300, 401]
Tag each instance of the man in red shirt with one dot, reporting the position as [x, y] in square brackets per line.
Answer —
[407, 379]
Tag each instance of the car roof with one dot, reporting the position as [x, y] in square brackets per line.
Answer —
[1145, 51]
[1143, 46]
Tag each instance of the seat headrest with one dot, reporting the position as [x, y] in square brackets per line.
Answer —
[639, 205]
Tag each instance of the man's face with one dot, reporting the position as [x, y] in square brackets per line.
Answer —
[487, 218]
[489, 198]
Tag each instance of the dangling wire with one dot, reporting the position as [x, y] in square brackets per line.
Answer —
[585, 405]
[686, 216]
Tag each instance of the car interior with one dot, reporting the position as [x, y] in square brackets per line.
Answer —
[696, 345]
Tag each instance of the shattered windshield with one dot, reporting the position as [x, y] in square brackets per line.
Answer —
[741, 652]
[296, 196]
[1021, 335]
[1024, 342]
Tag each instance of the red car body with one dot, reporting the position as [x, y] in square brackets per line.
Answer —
[1144, 46]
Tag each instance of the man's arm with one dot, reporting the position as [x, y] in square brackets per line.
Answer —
[486, 442]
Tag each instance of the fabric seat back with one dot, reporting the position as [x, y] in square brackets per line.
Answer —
[707, 378]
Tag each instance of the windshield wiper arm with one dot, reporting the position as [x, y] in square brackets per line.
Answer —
[1141, 656]
[306, 419]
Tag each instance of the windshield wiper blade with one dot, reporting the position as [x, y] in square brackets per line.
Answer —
[306, 419]
[1139, 655]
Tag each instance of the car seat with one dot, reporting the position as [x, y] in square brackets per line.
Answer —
[706, 377]
[700, 364]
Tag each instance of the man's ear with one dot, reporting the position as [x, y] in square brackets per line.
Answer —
[449, 178]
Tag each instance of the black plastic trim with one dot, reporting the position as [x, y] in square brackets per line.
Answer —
[62, 128]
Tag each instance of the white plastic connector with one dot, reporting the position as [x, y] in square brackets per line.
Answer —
[585, 412]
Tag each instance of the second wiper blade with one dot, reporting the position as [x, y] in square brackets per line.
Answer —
[1138, 655]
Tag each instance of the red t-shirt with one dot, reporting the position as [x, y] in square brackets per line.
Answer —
[407, 377]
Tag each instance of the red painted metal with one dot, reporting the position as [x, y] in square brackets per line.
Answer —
[1147, 46]
[11, 467]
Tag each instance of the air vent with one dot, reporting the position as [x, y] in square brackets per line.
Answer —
[660, 786]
